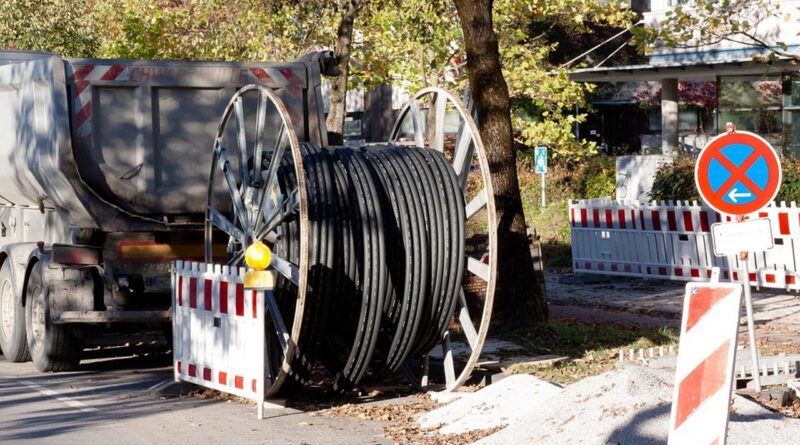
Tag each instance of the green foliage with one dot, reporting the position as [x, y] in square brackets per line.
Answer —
[790, 187]
[60, 26]
[675, 181]
[600, 178]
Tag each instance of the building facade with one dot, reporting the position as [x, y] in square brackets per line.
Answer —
[756, 96]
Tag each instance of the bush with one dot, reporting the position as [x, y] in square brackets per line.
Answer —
[675, 181]
[600, 178]
[790, 187]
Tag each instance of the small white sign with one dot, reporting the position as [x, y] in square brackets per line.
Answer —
[754, 235]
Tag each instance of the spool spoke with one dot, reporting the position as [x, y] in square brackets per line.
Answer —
[416, 120]
[466, 321]
[241, 140]
[260, 123]
[286, 268]
[480, 269]
[462, 159]
[277, 320]
[441, 111]
[233, 189]
[477, 203]
[279, 214]
[449, 365]
[224, 224]
[270, 176]
[237, 259]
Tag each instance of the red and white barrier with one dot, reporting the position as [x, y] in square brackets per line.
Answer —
[218, 330]
[670, 240]
[705, 367]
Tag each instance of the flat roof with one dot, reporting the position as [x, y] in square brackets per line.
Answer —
[692, 70]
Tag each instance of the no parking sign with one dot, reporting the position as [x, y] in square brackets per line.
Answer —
[738, 173]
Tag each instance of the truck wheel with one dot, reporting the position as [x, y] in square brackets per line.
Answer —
[12, 319]
[53, 347]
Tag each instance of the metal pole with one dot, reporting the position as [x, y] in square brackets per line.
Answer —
[751, 330]
[544, 200]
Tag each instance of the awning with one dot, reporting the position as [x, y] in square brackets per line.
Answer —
[693, 71]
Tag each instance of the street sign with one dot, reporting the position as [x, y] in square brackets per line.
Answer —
[738, 173]
[540, 160]
[754, 235]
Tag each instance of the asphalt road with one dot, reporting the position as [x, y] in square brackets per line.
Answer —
[109, 401]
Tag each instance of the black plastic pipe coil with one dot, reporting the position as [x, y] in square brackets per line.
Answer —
[386, 260]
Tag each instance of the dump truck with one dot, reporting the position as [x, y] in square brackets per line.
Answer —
[104, 184]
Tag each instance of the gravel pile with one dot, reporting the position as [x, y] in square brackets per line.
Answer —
[502, 403]
[627, 407]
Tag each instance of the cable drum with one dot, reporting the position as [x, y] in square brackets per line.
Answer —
[370, 242]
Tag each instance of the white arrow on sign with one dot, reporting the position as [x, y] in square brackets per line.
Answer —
[733, 195]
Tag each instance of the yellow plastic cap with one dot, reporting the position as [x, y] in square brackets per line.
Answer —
[258, 256]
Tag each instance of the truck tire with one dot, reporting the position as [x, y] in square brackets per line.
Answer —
[53, 347]
[12, 319]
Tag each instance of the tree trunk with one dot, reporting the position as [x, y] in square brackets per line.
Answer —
[344, 41]
[519, 295]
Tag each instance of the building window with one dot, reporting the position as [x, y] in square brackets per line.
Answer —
[753, 103]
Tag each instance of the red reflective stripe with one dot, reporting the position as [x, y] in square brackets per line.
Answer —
[254, 385]
[207, 374]
[609, 219]
[193, 293]
[662, 271]
[238, 382]
[688, 224]
[180, 366]
[702, 302]
[82, 72]
[255, 303]
[207, 305]
[752, 276]
[678, 272]
[719, 217]
[656, 220]
[783, 223]
[762, 214]
[790, 279]
[633, 219]
[83, 115]
[192, 370]
[601, 266]
[261, 74]
[180, 290]
[621, 216]
[704, 222]
[223, 378]
[672, 224]
[587, 265]
[223, 297]
[695, 273]
[627, 268]
[735, 276]
[596, 218]
[769, 278]
[239, 299]
[112, 72]
[641, 219]
[703, 382]
[572, 217]
[584, 218]
[613, 267]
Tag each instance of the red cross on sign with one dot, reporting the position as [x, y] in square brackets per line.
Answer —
[738, 173]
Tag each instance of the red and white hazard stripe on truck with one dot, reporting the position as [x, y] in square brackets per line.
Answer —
[704, 372]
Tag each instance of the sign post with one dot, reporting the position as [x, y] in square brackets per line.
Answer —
[540, 164]
[738, 173]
